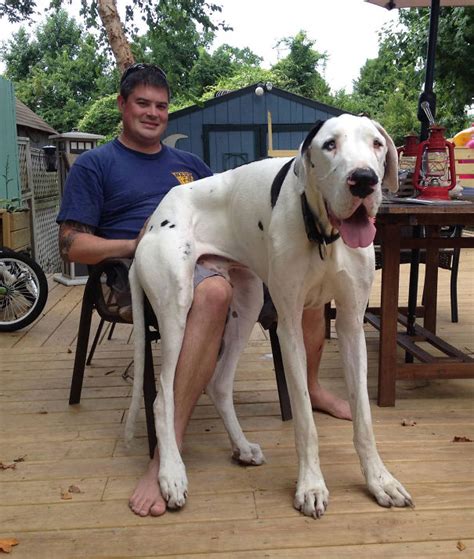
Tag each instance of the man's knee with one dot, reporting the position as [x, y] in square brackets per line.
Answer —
[213, 295]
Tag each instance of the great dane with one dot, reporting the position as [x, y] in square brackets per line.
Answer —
[304, 227]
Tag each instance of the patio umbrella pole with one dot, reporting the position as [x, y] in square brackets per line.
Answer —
[428, 94]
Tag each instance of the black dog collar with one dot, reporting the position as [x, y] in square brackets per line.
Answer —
[313, 227]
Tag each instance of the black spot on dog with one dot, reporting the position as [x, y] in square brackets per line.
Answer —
[234, 314]
[151, 227]
[163, 223]
[172, 225]
[260, 225]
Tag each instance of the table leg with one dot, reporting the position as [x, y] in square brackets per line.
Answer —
[390, 243]
[431, 283]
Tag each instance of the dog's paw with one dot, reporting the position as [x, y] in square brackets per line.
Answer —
[388, 491]
[251, 455]
[312, 501]
[174, 485]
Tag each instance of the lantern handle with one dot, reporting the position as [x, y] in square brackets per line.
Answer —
[427, 110]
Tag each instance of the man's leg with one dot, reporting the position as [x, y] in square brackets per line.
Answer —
[196, 364]
[321, 398]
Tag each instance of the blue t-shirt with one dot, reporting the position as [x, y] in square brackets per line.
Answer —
[115, 189]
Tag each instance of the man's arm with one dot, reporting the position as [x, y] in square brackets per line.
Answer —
[77, 243]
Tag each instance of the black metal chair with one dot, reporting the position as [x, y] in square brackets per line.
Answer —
[97, 298]
[448, 260]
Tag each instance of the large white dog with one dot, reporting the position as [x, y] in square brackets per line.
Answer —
[304, 226]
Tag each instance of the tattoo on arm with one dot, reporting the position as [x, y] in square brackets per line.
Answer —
[68, 231]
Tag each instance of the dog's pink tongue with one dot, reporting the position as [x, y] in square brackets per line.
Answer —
[357, 231]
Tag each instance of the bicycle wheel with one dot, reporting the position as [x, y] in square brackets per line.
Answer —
[23, 290]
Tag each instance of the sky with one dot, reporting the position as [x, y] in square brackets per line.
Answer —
[345, 29]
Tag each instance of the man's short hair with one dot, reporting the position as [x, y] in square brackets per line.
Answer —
[142, 73]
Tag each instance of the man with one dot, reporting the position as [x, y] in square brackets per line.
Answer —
[110, 192]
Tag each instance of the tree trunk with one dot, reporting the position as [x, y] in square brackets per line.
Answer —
[118, 41]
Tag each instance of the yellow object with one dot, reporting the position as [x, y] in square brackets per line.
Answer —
[461, 138]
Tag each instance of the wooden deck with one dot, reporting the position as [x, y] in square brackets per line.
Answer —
[66, 476]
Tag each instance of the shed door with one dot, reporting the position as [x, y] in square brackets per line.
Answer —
[231, 148]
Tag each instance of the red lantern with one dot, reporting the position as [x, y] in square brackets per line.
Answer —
[434, 173]
[407, 153]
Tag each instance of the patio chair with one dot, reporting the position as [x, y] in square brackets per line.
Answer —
[97, 298]
[448, 260]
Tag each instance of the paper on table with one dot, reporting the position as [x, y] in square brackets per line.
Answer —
[429, 202]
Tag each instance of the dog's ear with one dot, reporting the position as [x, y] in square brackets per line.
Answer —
[390, 178]
[299, 162]
[312, 133]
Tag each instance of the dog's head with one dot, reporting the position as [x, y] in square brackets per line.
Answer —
[342, 165]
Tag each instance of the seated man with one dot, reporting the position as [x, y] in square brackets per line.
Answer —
[110, 192]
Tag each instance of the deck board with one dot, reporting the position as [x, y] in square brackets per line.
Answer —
[233, 512]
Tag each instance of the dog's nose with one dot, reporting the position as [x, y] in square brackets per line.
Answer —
[361, 182]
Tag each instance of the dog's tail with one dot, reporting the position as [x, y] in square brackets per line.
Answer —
[139, 356]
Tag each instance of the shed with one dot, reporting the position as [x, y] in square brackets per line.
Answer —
[30, 125]
[232, 128]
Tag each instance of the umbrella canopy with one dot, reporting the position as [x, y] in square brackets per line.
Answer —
[427, 95]
[391, 4]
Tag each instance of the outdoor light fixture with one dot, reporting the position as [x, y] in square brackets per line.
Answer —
[262, 88]
[434, 173]
[50, 159]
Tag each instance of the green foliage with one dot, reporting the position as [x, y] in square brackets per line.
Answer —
[213, 71]
[300, 71]
[60, 72]
[389, 86]
[17, 10]
[102, 117]
[247, 75]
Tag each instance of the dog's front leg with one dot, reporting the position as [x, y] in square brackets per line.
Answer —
[311, 496]
[385, 488]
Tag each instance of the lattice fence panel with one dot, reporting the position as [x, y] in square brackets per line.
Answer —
[47, 251]
[40, 190]
[46, 205]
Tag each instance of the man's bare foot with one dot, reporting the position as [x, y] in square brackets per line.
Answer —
[146, 498]
[325, 401]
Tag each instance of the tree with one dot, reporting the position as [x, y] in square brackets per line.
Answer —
[59, 73]
[103, 14]
[212, 70]
[389, 86]
[300, 70]
[17, 10]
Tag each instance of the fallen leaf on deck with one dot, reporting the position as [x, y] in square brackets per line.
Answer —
[69, 350]
[20, 458]
[462, 440]
[461, 546]
[65, 495]
[74, 489]
[11, 466]
[7, 544]
[408, 422]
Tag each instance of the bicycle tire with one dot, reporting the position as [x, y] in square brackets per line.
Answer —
[23, 290]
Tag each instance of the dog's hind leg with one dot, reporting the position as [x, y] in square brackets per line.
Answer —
[245, 307]
[168, 283]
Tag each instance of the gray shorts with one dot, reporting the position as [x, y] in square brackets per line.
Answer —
[201, 273]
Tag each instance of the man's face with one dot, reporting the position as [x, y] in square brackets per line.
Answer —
[144, 116]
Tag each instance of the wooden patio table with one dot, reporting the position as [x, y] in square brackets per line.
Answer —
[392, 217]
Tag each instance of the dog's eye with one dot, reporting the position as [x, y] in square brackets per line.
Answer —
[329, 145]
[378, 143]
